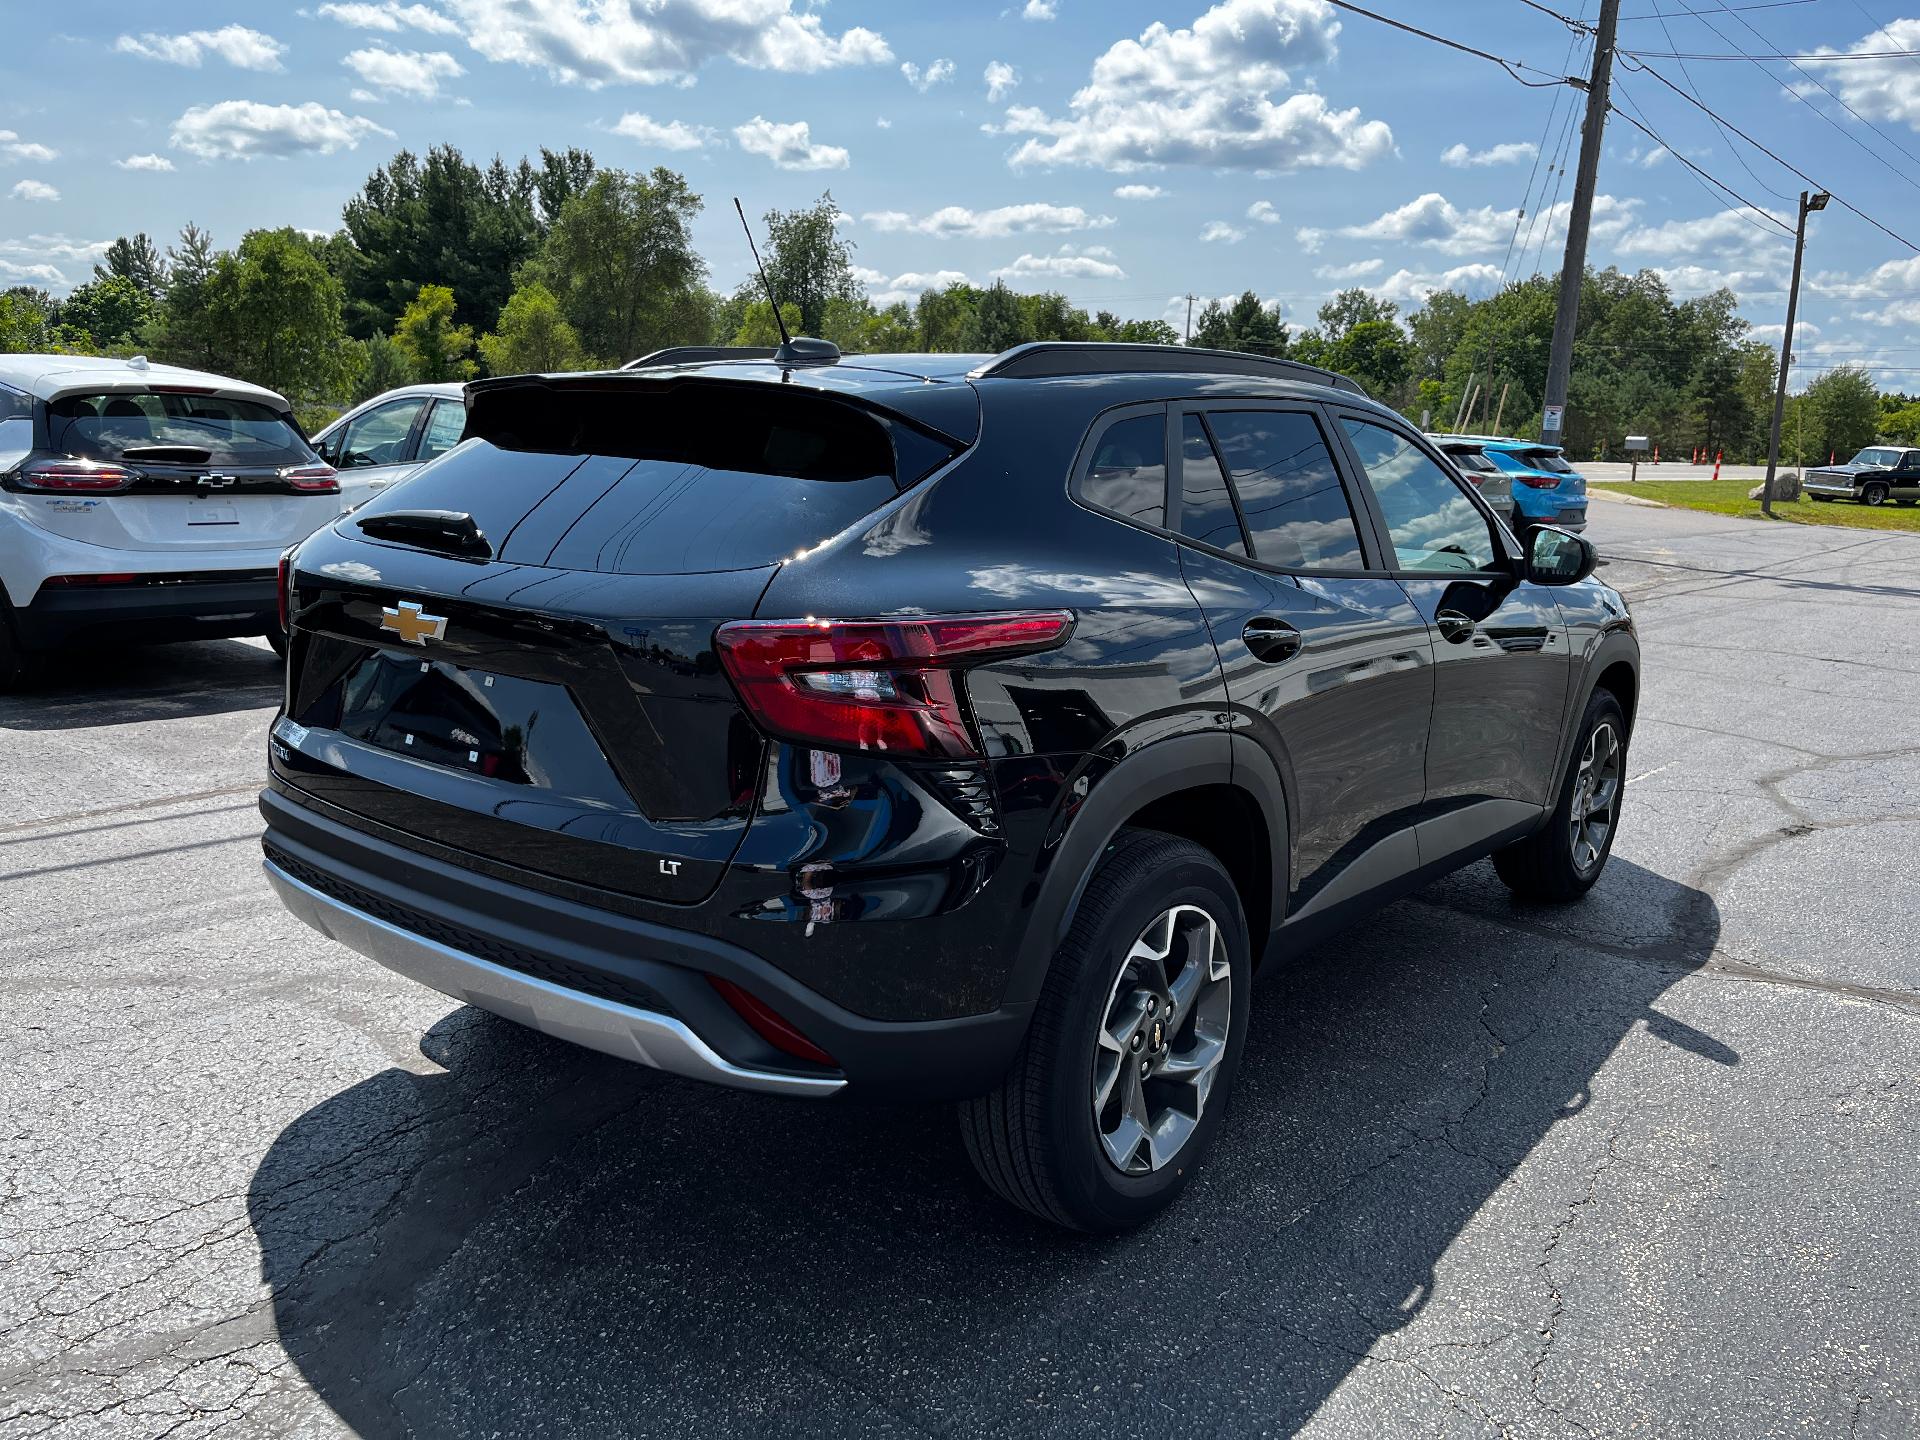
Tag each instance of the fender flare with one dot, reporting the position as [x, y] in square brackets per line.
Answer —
[1618, 644]
[1160, 769]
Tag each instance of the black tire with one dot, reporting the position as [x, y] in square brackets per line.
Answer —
[16, 664]
[1544, 865]
[1036, 1139]
[1873, 495]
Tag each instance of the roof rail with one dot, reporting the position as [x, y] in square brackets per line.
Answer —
[699, 354]
[1095, 357]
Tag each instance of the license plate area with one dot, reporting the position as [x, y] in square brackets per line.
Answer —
[212, 512]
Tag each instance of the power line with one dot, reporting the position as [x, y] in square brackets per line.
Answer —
[1680, 14]
[1838, 199]
[1648, 131]
[1687, 75]
[1771, 55]
[1512, 67]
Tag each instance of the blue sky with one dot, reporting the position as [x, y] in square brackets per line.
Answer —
[1125, 152]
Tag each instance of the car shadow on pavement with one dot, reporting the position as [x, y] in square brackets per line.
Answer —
[85, 689]
[536, 1240]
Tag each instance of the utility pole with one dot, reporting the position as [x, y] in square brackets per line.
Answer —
[1809, 203]
[1187, 339]
[1573, 269]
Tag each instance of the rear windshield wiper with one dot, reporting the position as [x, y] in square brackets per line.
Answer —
[164, 454]
[452, 532]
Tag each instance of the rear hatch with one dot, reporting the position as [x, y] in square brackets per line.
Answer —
[209, 472]
[511, 657]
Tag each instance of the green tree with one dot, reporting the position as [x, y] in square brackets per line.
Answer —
[534, 336]
[182, 330]
[620, 258]
[26, 318]
[998, 323]
[1842, 412]
[945, 317]
[109, 313]
[136, 260]
[273, 316]
[1212, 331]
[1903, 425]
[757, 327]
[1354, 307]
[809, 263]
[1376, 353]
[436, 348]
[378, 366]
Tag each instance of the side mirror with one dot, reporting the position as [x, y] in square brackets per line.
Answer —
[1559, 557]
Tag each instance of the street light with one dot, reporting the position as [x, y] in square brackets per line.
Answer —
[1809, 203]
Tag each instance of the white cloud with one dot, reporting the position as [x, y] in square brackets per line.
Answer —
[55, 247]
[1511, 153]
[1263, 211]
[242, 129]
[1803, 331]
[1879, 89]
[1204, 96]
[664, 42]
[938, 73]
[34, 190]
[1221, 230]
[1729, 236]
[240, 47]
[1137, 192]
[1436, 223]
[145, 162]
[1358, 270]
[664, 135]
[412, 73]
[885, 290]
[392, 17]
[48, 276]
[1039, 10]
[1001, 79]
[1475, 281]
[883, 122]
[788, 146]
[957, 220]
[1095, 262]
[12, 147]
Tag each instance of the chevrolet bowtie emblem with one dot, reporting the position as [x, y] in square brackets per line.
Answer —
[412, 624]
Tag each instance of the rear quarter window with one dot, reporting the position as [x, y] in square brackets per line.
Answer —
[1127, 473]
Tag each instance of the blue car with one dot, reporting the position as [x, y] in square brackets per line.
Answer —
[1546, 489]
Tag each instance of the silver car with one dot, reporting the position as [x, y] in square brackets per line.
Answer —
[1494, 484]
[385, 439]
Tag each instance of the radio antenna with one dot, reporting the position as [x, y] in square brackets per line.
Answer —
[772, 300]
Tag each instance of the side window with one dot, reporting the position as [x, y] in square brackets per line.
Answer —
[1129, 471]
[444, 427]
[1297, 512]
[1206, 504]
[15, 404]
[1432, 523]
[379, 437]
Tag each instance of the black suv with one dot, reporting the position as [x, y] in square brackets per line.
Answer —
[932, 726]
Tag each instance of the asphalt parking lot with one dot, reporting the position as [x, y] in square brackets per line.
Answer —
[1642, 1167]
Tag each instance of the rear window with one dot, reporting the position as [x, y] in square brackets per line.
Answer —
[1473, 460]
[170, 429]
[647, 481]
[1547, 460]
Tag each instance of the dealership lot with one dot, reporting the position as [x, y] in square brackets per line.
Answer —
[1641, 1166]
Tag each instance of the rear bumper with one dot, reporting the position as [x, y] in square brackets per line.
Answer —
[154, 608]
[626, 986]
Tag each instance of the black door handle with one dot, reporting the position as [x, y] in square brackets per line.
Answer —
[1270, 640]
[1454, 628]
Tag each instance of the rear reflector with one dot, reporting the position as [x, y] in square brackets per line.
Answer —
[885, 685]
[71, 475]
[770, 1025]
[281, 579]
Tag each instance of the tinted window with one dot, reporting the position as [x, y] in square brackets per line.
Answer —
[173, 429]
[643, 481]
[1432, 523]
[443, 430]
[15, 403]
[378, 437]
[1296, 511]
[1549, 460]
[1206, 505]
[1473, 460]
[1129, 471]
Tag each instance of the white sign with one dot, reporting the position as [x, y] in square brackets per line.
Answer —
[1550, 421]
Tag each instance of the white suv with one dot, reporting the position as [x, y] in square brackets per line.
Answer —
[142, 502]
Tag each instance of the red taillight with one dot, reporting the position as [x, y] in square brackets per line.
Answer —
[118, 578]
[874, 684]
[1540, 482]
[89, 475]
[312, 479]
[770, 1025]
[282, 579]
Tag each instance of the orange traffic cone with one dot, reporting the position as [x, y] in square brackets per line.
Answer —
[1716, 463]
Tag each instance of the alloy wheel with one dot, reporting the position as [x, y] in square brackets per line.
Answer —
[1596, 797]
[1162, 1039]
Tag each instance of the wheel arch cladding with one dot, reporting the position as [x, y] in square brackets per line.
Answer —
[1623, 681]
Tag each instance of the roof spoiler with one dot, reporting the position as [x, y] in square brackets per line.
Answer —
[1095, 357]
